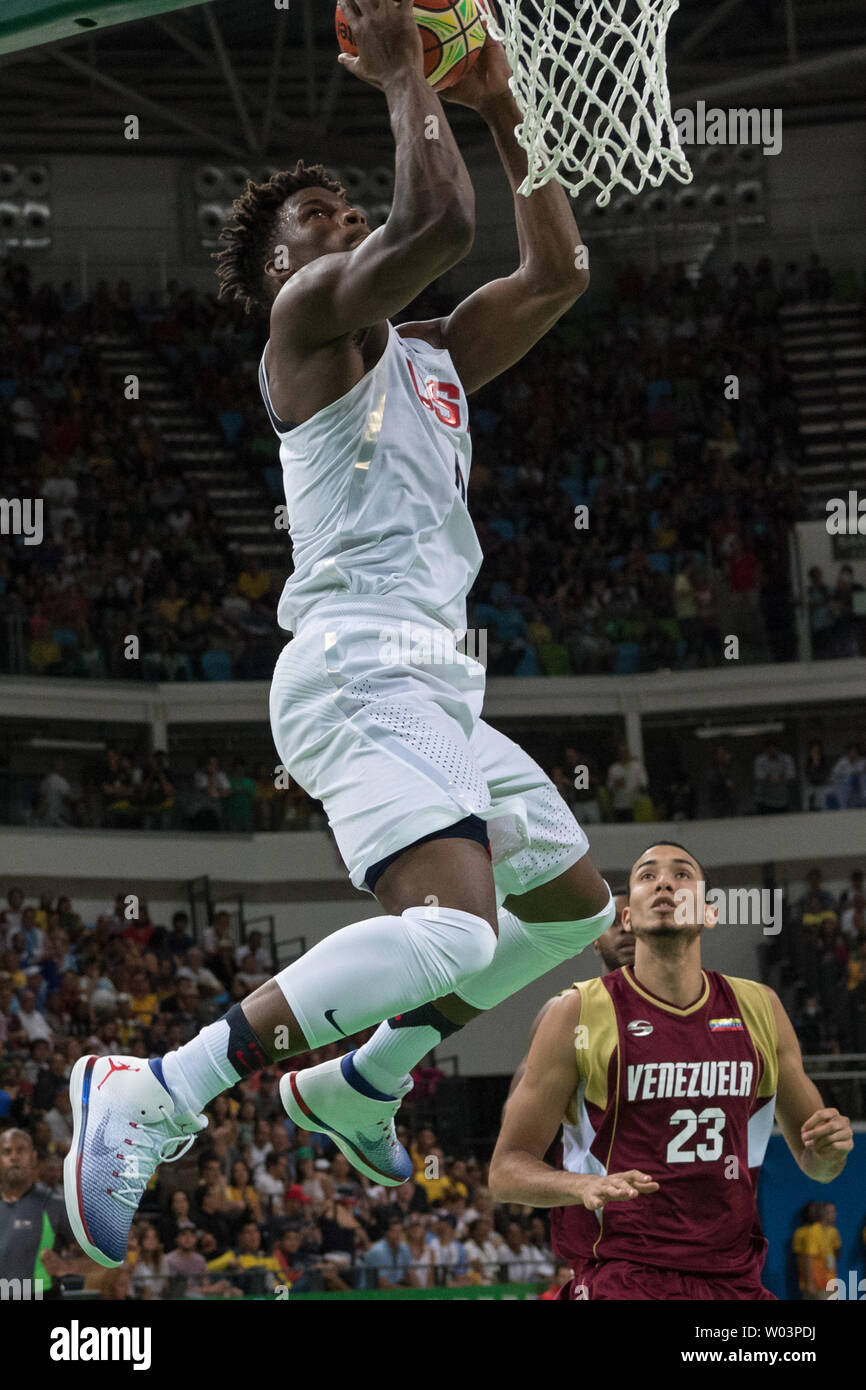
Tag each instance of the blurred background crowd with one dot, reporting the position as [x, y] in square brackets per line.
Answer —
[629, 516]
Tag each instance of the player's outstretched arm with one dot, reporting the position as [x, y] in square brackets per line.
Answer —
[532, 1116]
[817, 1135]
[498, 324]
[431, 225]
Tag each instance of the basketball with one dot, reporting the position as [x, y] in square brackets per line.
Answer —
[451, 31]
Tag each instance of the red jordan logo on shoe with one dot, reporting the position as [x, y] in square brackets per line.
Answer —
[115, 1066]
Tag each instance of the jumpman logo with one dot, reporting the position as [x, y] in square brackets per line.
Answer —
[115, 1066]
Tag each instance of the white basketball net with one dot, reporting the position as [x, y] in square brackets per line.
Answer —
[591, 83]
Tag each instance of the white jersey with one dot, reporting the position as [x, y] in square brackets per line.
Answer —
[375, 488]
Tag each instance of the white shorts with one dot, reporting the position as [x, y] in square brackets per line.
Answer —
[377, 715]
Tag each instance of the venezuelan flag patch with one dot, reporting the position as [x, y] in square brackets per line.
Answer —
[726, 1025]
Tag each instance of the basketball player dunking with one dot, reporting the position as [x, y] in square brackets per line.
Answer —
[665, 1078]
[481, 869]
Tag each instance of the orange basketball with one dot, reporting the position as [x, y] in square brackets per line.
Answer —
[452, 34]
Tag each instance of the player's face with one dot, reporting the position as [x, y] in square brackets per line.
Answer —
[314, 222]
[616, 945]
[664, 899]
[17, 1160]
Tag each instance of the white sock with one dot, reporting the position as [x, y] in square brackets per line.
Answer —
[397, 1045]
[200, 1070]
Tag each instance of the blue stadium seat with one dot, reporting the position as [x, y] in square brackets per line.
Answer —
[627, 659]
[573, 489]
[656, 391]
[274, 480]
[554, 659]
[528, 664]
[217, 666]
[232, 423]
[65, 637]
[501, 526]
[8, 388]
[660, 562]
[615, 563]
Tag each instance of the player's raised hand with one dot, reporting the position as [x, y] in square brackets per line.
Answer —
[387, 39]
[828, 1134]
[486, 80]
[595, 1191]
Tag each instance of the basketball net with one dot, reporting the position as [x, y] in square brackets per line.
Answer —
[590, 79]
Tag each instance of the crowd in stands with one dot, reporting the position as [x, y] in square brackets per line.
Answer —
[825, 956]
[765, 784]
[259, 1208]
[632, 503]
[257, 1203]
[125, 789]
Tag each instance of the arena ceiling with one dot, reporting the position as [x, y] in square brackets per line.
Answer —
[241, 79]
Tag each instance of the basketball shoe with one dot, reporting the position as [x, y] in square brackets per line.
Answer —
[125, 1123]
[334, 1099]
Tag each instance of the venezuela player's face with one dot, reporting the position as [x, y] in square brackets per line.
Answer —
[666, 894]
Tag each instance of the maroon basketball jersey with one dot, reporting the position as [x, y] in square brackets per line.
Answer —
[684, 1095]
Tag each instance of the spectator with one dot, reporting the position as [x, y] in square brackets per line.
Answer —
[816, 777]
[178, 941]
[775, 774]
[33, 1024]
[449, 1256]
[520, 1260]
[211, 787]
[849, 779]
[821, 615]
[186, 1264]
[59, 1120]
[55, 797]
[626, 780]
[388, 1263]
[239, 804]
[721, 788]
[484, 1249]
[422, 1273]
[562, 1275]
[248, 1267]
[151, 1273]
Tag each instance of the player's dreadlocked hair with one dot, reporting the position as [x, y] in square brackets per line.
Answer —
[249, 236]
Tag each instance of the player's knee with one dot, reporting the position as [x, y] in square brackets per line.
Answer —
[456, 944]
[560, 941]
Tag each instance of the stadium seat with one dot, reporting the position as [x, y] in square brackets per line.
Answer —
[8, 388]
[615, 563]
[573, 489]
[627, 659]
[528, 664]
[660, 562]
[65, 637]
[232, 422]
[503, 527]
[274, 480]
[554, 659]
[217, 666]
[846, 286]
